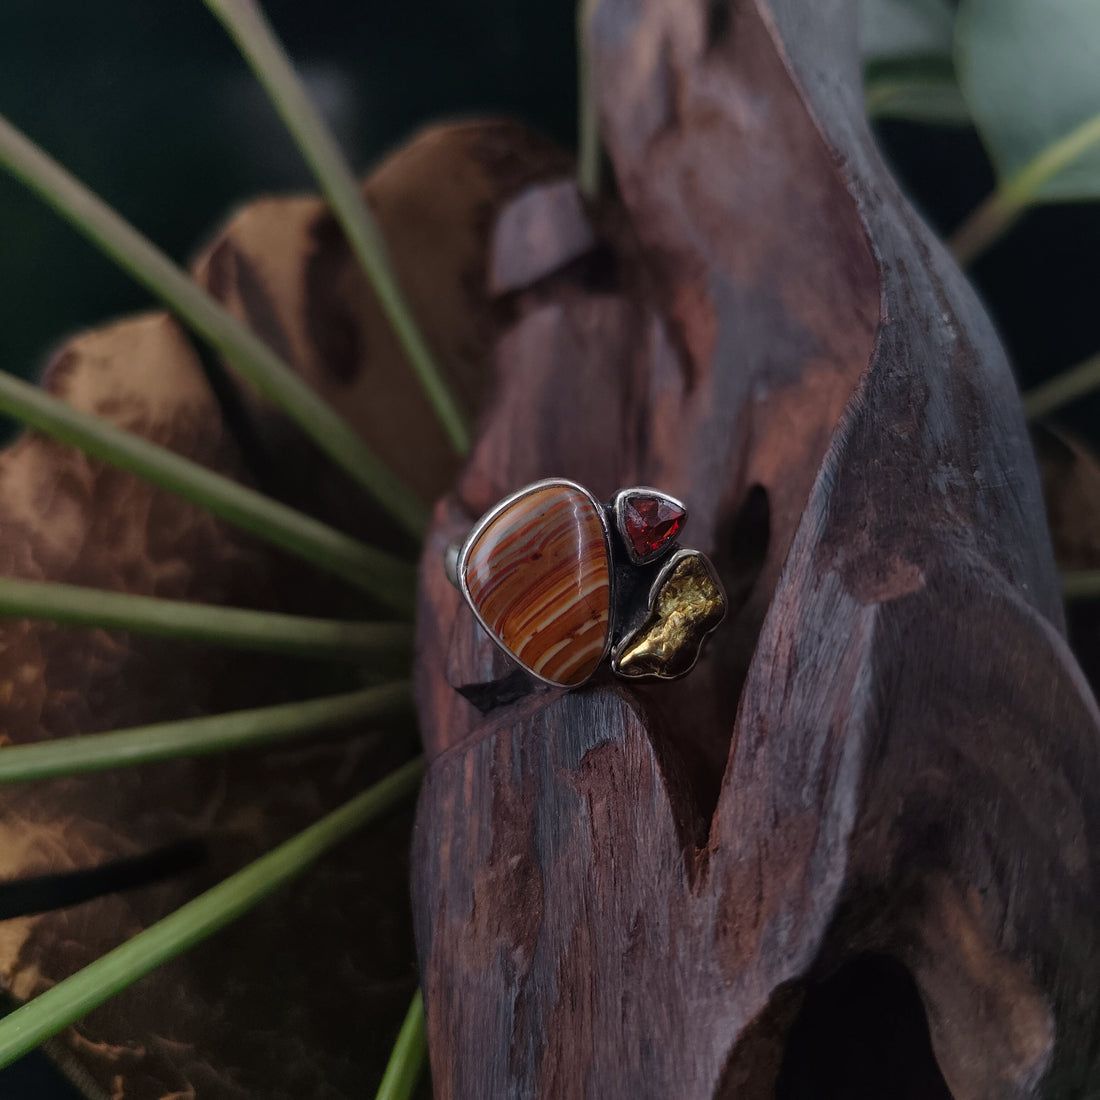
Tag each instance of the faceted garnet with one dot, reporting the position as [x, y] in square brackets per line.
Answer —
[649, 522]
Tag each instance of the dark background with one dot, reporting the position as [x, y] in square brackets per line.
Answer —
[1040, 282]
[149, 103]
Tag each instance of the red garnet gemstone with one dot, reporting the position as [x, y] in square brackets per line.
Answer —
[650, 523]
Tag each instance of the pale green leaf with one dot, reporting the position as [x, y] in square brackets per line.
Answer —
[1030, 70]
[897, 29]
[909, 68]
[922, 91]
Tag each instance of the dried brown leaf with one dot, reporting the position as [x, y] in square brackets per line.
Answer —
[283, 266]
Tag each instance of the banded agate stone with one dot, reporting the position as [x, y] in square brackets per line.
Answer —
[538, 576]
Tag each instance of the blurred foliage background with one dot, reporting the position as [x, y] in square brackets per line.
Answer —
[983, 90]
[151, 105]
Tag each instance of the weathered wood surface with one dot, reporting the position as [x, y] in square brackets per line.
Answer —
[855, 853]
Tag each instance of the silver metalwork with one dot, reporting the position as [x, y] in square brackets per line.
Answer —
[463, 554]
[625, 568]
[692, 634]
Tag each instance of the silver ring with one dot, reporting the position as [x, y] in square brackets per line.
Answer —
[559, 581]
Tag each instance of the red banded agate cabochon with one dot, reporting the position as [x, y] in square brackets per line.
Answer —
[538, 576]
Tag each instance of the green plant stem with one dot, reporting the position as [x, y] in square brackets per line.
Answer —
[246, 25]
[409, 1055]
[385, 577]
[1081, 585]
[938, 103]
[1063, 388]
[199, 736]
[999, 212]
[252, 358]
[588, 134]
[877, 97]
[989, 221]
[76, 996]
[330, 639]
[920, 87]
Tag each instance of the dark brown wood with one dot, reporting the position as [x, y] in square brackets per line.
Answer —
[873, 809]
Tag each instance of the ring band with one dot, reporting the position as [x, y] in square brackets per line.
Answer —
[560, 581]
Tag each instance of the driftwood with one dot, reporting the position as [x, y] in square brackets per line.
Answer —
[855, 853]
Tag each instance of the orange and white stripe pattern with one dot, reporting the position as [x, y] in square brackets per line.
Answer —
[539, 577]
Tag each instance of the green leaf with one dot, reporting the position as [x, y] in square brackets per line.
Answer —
[76, 996]
[1081, 585]
[198, 736]
[409, 1055]
[909, 68]
[588, 133]
[252, 358]
[1030, 70]
[922, 90]
[388, 579]
[899, 29]
[244, 21]
[1063, 388]
[387, 645]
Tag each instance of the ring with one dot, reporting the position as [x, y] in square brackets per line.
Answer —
[559, 580]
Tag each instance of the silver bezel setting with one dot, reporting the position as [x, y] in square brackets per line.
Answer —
[617, 506]
[486, 520]
[654, 590]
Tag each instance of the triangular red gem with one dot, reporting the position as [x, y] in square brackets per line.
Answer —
[650, 523]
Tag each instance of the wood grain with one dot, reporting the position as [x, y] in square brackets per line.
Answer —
[874, 803]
